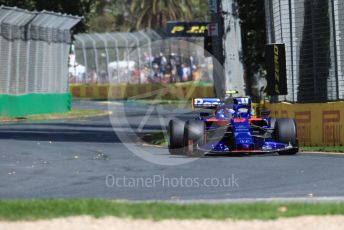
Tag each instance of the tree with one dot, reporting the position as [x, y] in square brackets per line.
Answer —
[100, 6]
[252, 20]
[102, 23]
[76, 7]
[200, 10]
[155, 13]
[25, 4]
[113, 16]
[315, 59]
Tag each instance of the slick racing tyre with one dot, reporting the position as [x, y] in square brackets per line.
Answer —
[285, 132]
[194, 136]
[273, 123]
[176, 142]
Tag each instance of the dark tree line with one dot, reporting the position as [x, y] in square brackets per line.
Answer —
[252, 16]
[315, 60]
[74, 7]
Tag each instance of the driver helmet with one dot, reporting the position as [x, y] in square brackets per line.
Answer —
[229, 102]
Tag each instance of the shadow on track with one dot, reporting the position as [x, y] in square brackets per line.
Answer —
[79, 125]
[60, 135]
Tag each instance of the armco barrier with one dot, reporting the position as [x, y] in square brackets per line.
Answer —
[144, 91]
[318, 124]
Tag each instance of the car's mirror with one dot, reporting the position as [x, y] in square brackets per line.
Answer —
[265, 113]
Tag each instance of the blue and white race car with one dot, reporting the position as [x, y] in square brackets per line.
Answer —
[230, 128]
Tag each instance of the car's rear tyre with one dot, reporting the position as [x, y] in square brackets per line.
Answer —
[176, 141]
[285, 132]
[194, 136]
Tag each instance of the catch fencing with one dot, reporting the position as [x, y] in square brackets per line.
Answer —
[312, 31]
[111, 55]
[34, 48]
[137, 58]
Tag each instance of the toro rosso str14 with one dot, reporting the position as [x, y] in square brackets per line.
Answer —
[230, 128]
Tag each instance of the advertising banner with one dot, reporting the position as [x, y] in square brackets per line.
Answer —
[276, 70]
[186, 29]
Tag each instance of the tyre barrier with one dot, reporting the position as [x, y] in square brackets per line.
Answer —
[143, 91]
[318, 124]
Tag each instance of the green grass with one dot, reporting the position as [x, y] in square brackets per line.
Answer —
[155, 139]
[47, 209]
[74, 113]
[336, 149]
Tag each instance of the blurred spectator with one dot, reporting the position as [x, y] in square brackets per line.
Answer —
[186, 70]
[93, 77]
[159, 68]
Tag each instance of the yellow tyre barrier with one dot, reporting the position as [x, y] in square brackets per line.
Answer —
[319, 124]
[145, 91]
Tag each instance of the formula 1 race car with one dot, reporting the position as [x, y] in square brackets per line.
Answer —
[229, 127]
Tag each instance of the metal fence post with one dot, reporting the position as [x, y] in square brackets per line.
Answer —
[128, 55]
[149, 43]
[84, 56]
[95, 55]
[139, 52]
[335, 48]
[113, 37]
[106, 47]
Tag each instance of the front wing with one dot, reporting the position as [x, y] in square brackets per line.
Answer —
[218, 151]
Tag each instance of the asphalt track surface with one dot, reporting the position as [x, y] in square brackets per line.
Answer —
[89, 158]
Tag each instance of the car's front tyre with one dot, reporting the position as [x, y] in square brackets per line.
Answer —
[286, 132]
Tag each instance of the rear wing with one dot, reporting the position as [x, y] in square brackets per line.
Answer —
[205, 103]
